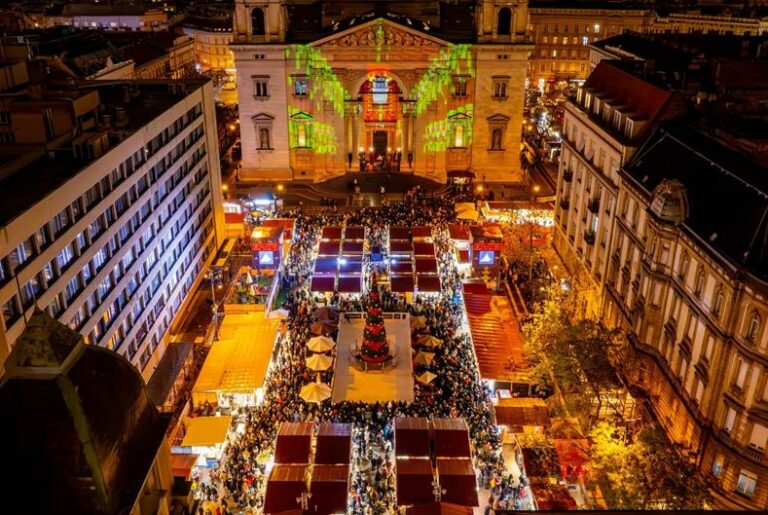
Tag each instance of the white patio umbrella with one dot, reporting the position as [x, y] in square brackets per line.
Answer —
[320, 344]
[424, 358]
[426, 378]
[418, 322]
[430, 341]
[319, 362]
[315, 392]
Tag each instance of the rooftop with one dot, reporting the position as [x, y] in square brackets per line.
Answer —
[713, 175]
[586, 4]
[33, 182]
[208, 24]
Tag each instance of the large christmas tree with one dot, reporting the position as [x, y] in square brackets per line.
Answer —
[374, 348]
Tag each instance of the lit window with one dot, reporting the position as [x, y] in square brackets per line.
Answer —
[380, 90]
[746, 483]
[759, 437]
[459, 136]
[717, 465]
[300, 87]
[301, 135]
[584, 40]
[597, 27]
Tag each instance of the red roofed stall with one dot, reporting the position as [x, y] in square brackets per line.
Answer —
[293, 442]
[329, 488]
[458, 479]
[334, 443]
[451, 437]
[411, 436]
[413, 478]
[285, 484]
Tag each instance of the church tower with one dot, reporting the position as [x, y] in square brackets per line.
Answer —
[260, 20]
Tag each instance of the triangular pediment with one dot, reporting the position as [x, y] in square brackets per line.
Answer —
[380, 32]
[301, 115]
[498, 118]
[262, 117]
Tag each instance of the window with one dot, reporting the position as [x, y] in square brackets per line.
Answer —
[30, 291]
[460, 88]
[684, 262]
[717, 465]
[741, 373]
[42, 239]
[458, 140]
[759, 437]
[730, 420]
[504, 22]
[717, 304]
[64, 258]
[11, 311]
[500, 87]
[257, 22]
[264, 138]
[496, 139]
[746, 483]
[260, 87]
[753, 327]
[584, 40]
[698, 286]
[300, 87]
[301, 135]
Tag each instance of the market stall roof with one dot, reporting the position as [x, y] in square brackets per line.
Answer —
[476, 287]
[399, 233]
[400, 247]
[352, 247]
[541, 461]
[293, 442]
[326, 266]
[414, 478]
[522, 411]
[463, 257]
[401, 266]
[495, 333]
[323, 284]
[334, 443]
[486, 232]
[421, 232]
[286, 223]
[423, 249]
[451, 437]
[458, 479]
[411, 436]
[458, 231]
[428, 283]
[329, 248]
[355, 232]
[438, 508]
[285, 484]
[331, 232]
[267, 234]
[238, 362]
[349, 284]
[182, 464]
[206, 431]
[426, 266]
[329, 488]
[167, 371]
[402, 283]
[466, 211]
[350, 265]
[552, 497]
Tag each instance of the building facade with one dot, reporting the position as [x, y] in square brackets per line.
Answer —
[106, 17]
[690, 23]
[689, 286]
[111, 198]
[561, 32]
[602, 126]
[420, 87]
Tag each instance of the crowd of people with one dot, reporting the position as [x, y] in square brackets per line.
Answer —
[237, 485]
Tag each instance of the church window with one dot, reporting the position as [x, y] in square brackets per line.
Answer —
[260, 89]
[257, 22]
[300, 87]
[500, 87]
[505, 22]
[380, 90]
[264, 138]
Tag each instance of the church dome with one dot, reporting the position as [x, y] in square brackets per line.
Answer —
[669, 202]
[81, 414]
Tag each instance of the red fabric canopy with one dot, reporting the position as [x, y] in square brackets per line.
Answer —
[400, 247]
[423, 249]
[402, 283]
[458, 231]
[426, 265]
[421, 231]
[322, 284]
[399, 233]
[331, 232]
[401, 266]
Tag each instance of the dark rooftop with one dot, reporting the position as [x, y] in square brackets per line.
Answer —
[25, 187]
[727, 192]
[208, 24]
[586, 4]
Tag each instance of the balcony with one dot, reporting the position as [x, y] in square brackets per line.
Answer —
[565, 203]
[589, 237]
[567, 175]
[593, 205]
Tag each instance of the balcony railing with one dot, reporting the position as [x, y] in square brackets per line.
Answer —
[589, 237]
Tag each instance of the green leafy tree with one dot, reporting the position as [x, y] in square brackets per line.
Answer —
[645, 470]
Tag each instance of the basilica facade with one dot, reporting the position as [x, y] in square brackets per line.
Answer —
[423, 87]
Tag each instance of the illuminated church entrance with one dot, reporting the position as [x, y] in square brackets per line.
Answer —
[381, 102]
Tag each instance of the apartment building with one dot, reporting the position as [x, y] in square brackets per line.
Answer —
[212, 38]
[561, 31]
[105, 17]
[693, 22]
[688, 279]
[110, 207]
[602, 126]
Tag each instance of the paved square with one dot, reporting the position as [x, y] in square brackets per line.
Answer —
[395, 384]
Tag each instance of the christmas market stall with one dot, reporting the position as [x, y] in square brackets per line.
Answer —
[458, 481]
[451, 437]
[329, 488]
[267, 247]
[286, 488]
[487, 242]
[334, 442]
[293, 442]
[414, 481]
[411, 436]
[206, 437]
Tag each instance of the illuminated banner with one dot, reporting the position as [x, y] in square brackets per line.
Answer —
[265, 246]
[486, 246]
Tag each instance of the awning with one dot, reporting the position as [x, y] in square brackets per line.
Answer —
[522, 411]
[402, 283]
[399, 233]
[466, 211]
[428, 283]
[426, 266]
[401, 266]
[414, 478]
[326, 266]
[182, 464]
[206, 431]
[463, 257]
[350, 265]
[331, 233]
[329, 248]
[400, 247]
[354, 232]
[349, 284]
[423, 249]
[323, 284]
[458, 481]
[458, 231]
[352, 247]
[421, 232]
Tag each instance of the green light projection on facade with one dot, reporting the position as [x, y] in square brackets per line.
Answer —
[455, 60]
[455, 131]
[307, 133]
[324, 85]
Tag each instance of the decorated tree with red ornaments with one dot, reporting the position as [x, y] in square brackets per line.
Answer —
[374, 348]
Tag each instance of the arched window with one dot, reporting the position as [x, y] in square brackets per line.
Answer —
[717, 304]
[698, 286]
[458, 136]
[753, 327]
[505, 22]
[257, 22]
[496, 139]
[684, 262]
